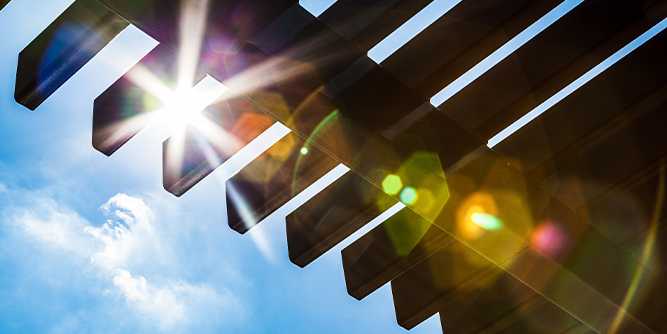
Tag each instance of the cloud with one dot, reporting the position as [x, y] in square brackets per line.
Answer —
[129, 255]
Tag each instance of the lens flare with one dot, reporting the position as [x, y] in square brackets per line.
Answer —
[409, 196]
[392, 184]
[486, 221]
[549, 239]
[477, 215]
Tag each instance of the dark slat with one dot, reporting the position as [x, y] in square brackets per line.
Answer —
[461, 38]
[272, 179]
[318, 225]
[645, 305]
[374, 260]
[120, 112]
[3, 3]
[608, 103]
[234, 123]
[570, 47]
[165, 19]
[157, 18]
[572, 294]
[73, 39]
[416, 292]
[536, 316]
[367, 22]
[580, 329]
[633, 204]
[594, 166]
[479, 304]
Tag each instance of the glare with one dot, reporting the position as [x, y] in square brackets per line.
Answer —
[184, 107]
[179, 110]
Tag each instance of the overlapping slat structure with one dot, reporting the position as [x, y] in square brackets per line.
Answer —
[524, 139]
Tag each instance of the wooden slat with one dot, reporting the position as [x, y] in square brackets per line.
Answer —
[66, 45]
[272, 179]
[570, 47]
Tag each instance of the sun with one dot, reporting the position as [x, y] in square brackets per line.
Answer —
[185, 107]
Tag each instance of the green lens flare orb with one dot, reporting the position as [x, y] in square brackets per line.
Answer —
[392, 184]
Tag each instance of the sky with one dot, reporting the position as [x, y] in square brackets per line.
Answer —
[93, 244]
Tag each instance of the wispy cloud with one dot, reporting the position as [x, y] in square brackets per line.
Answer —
[117, 251]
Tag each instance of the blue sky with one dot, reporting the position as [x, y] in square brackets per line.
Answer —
[90, 244]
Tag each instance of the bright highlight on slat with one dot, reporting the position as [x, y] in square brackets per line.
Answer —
[504, 51]
[581, 81]
[316, 7]
[410, 29]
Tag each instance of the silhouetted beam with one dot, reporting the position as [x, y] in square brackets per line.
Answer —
[611, 155]
[366, 23]
[168, 20]
[373, 260]
[157, 18]
[417, 291]
[189, 158]
[3, 3]
[580, 329]
[272, 179]
[634, 203]
[125, 108]
[574, 295]
[535, 316]
[74, 38]
[651, 283]
[612, 97]
[638, 207]
[566, 50]
[460, 39]
[331, 216]
[477, 305]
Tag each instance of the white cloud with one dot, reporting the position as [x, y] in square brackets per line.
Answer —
[118, 251]
[54, 227]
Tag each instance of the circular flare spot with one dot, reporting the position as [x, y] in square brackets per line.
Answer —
[392, 184]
